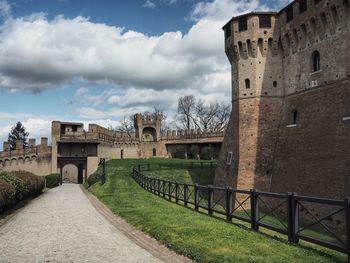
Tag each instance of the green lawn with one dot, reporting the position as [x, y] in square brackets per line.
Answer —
[206, 177]
[196, 235]
[189, 176]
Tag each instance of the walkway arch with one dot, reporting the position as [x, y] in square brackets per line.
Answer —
[73, 171]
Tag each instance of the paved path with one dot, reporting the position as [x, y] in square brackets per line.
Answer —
[62, 226]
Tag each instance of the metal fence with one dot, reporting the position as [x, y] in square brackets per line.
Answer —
[325, 222]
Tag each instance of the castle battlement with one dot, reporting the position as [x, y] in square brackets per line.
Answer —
[192, 134]
[289, 126]
[279, 54]
[33, 149]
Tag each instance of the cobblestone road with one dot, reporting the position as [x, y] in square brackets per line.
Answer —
[62, 226]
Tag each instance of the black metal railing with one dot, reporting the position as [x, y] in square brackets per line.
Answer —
[321, 221]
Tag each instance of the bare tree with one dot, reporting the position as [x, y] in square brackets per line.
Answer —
[205, 115]
[192, 114]
[126, 125]
[221, 117]
[185, 110]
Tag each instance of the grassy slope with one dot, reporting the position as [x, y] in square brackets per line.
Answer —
[206, 177]
[198, 236]
[199, 176]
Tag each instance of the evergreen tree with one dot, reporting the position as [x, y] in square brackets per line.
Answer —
[18, 132]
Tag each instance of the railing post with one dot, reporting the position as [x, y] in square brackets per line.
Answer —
[185, 194]
[164, 183]
[210, 200]
[293, 217]
[254, 209]
[289, 217]
[229, 207]
[196, 197]
[139, 166]
[177, 192]
[347, 222]
[169, 190]
[159, 186]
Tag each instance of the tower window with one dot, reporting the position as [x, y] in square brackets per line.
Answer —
[346, 5]
[289, 13]
[275, 84]
[294, 116]
[242, 24]
[247, 83]
[227, 31]
[264, 21]
[316, 63]
[302, 6]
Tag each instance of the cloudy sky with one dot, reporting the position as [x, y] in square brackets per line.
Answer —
[100, 60]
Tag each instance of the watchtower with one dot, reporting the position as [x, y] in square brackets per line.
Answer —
[148, 127]
[251, 45]
[290, 88]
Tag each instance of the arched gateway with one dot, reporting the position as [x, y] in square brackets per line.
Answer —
[74, 147]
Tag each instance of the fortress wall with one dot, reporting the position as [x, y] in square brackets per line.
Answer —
[226, 170]
[267, 154]
[146, 149]
[314, 153]
[313, 158]
[129, 150]
[36, 164]
[92, 165]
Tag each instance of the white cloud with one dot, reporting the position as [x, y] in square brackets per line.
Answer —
[149, 4]
[89, 113]
[143, 71]
[41, 126]
[37, 53]
[5, 10]
[36, 126]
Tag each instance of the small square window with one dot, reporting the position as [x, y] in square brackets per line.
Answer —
[302, 6]
[242, 24]
[264, 21]
[229, 158]
[227, 31]
[247, 83]
[289, 13]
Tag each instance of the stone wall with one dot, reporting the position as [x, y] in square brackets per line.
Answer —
[36, 164]
[289, 127]
[34, 158]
